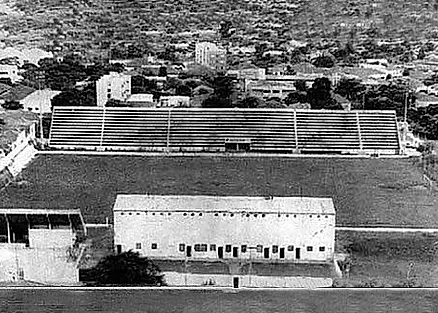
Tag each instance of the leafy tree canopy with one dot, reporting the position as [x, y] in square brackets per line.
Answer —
[127, 268]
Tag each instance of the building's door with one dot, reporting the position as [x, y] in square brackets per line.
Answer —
[281, 253]
[189, 251]
[119, 249]
[236, 282]
[266, 253]
[297, 253]
[220, 252]
[235, 252]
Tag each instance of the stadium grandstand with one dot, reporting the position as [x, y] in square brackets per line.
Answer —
[225, 130]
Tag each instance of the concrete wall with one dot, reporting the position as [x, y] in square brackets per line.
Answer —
[139, 230]
[181, 279]
[51, 238]
[42, 265]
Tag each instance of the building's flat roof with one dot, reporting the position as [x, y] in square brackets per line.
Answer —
[39, 211]
[300, 205]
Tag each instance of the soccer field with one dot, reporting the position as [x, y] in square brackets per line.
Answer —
[365, 191]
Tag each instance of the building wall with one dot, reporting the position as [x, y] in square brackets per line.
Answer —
[140, 230]
[113, 86]
[212, 280]
[47, 259]
[208, 54]
[21, 150]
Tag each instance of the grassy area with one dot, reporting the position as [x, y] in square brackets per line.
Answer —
[365, 191]
[390, 259]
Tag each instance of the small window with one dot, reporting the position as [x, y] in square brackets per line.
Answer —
[203, 247]
[274, 249]
[138, 245]
[243, 248]
[182, 247]
[200, 214]
[216, 214]
[185, 214]
[309, 248]
[255, 215]
[290, 248]
[193, 214]
[321, 249]
[228, 248]
[263, 215]
[259, 248]
[197, 247]
[212, 247]
[154, 246]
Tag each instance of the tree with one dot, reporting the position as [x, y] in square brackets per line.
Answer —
[320, 95]
[300, 85]
[127, 268]
[183, 90]
[295, 97]
[74, 97]
[250, 102]
[324, 61]
[162, 71]
[352, 89]
[12, 105]
[215, 102]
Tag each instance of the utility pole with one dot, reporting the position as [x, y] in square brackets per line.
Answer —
[406, 107]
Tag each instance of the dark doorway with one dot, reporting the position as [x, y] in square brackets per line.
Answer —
[266, 253]
[297, 253]
[189, 251]
[119, 249]
[281, 253]
[235, 252]
[220, 252]
[236, 282]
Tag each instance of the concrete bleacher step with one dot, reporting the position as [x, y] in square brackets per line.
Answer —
[208, 129]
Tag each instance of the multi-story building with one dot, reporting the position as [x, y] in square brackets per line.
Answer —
[115, 86]
[209, 54]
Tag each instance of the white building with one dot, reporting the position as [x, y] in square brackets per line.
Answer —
[174, 101]
[209, 54]
[115, 86]
[212, 228]
[10, 72]
[40, 245]
[40, 101]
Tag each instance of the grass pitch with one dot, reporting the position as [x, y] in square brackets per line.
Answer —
[366, 192]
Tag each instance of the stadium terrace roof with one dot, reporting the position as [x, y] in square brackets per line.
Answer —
[236, 204]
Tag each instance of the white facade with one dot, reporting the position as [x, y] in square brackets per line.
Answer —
[209, 54]
[113, 86]
[141, 97]
[174, 101]
[39, 245]
[39, 101]
[10, 72]
[206, 227]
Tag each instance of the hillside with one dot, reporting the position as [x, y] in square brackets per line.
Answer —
[96, 25]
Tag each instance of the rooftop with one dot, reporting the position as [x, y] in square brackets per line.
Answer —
[236, 204]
